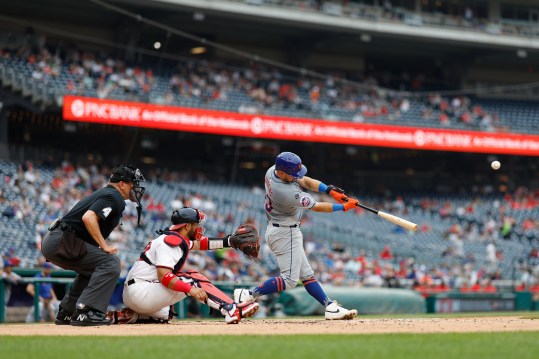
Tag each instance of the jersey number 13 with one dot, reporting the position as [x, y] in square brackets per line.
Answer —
[267, 204]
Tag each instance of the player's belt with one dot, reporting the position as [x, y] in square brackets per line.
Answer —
[133, 281]
[64, 227]
[280, 225]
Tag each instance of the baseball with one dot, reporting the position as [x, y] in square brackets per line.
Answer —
[495, 165]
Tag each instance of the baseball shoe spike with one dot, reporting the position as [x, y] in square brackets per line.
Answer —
[249, 310]
[335, 312]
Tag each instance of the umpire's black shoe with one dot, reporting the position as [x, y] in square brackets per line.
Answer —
[63, 317]
[85, 316]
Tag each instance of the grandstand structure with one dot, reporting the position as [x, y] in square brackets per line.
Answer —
[462, 66]
[334, 102]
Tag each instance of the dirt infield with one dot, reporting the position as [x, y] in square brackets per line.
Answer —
[287, 327]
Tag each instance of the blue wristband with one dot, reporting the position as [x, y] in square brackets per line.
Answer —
[338, 207]
[322, 187]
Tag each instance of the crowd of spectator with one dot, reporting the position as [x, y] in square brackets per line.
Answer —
[496, 222]
[250, 88]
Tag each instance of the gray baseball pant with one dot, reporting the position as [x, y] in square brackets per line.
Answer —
[97, 273]
[287, 245]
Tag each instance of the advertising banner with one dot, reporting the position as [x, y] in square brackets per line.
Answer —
[122, 113]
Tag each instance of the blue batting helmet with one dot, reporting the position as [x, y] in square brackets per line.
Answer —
[290, 163]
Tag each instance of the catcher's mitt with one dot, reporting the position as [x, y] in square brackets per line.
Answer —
[246, 239]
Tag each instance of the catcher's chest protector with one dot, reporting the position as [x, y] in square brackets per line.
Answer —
[200, 281]
[175, 239]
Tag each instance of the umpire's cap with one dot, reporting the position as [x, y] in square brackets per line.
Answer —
[183, 216]
[127, 173]
[290, 163]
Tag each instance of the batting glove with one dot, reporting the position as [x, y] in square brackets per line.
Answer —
[352, 203]
[337, 193]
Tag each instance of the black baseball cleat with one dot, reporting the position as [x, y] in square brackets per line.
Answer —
[85, 316]
[63, 317]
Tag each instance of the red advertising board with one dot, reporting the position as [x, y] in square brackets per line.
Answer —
[122, 113]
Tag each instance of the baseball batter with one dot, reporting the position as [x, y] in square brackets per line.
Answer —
[284, 205]
[156, 281]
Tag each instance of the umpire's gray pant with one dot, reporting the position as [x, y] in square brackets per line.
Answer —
[97, 274]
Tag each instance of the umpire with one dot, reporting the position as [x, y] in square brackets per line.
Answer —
[77, 242]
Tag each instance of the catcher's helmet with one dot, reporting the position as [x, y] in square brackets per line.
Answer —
[186, 215]
[290, 163]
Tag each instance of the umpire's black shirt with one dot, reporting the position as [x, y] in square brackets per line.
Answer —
[107, 203]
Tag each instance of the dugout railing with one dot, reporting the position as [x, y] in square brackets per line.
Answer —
[36, 282]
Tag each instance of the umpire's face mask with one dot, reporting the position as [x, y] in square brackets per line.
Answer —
[130, 174]
[136, 193]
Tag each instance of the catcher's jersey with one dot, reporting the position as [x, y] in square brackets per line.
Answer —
[159, 254]
[285, 201]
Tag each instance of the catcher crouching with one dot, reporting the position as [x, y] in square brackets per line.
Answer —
[156, 281]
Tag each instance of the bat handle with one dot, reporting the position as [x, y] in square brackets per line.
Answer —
[375, 211]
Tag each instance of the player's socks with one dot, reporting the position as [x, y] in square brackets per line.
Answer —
[272, 285]
[315, 290]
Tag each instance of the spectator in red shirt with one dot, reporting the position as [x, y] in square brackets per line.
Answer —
[476, 287]
[386, 253]
[442, 287]
[489, 288]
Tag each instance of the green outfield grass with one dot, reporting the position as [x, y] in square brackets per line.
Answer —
[521, 345]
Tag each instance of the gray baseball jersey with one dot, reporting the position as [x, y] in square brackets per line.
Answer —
[285, 202]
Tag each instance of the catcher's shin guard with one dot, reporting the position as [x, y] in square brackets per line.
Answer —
[216, 298]
[124, 316]
[128, 316]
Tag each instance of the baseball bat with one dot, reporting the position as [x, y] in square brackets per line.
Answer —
[391, 218]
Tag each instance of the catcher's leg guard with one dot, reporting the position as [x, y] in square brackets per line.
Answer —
[124, 316]
[128, 316]
[216, 298]
[233, 314]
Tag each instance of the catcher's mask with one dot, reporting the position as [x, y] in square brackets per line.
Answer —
[187, 215]
[290, 163]
[131, 174]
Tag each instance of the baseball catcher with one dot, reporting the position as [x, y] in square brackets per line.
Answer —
[157, 280]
